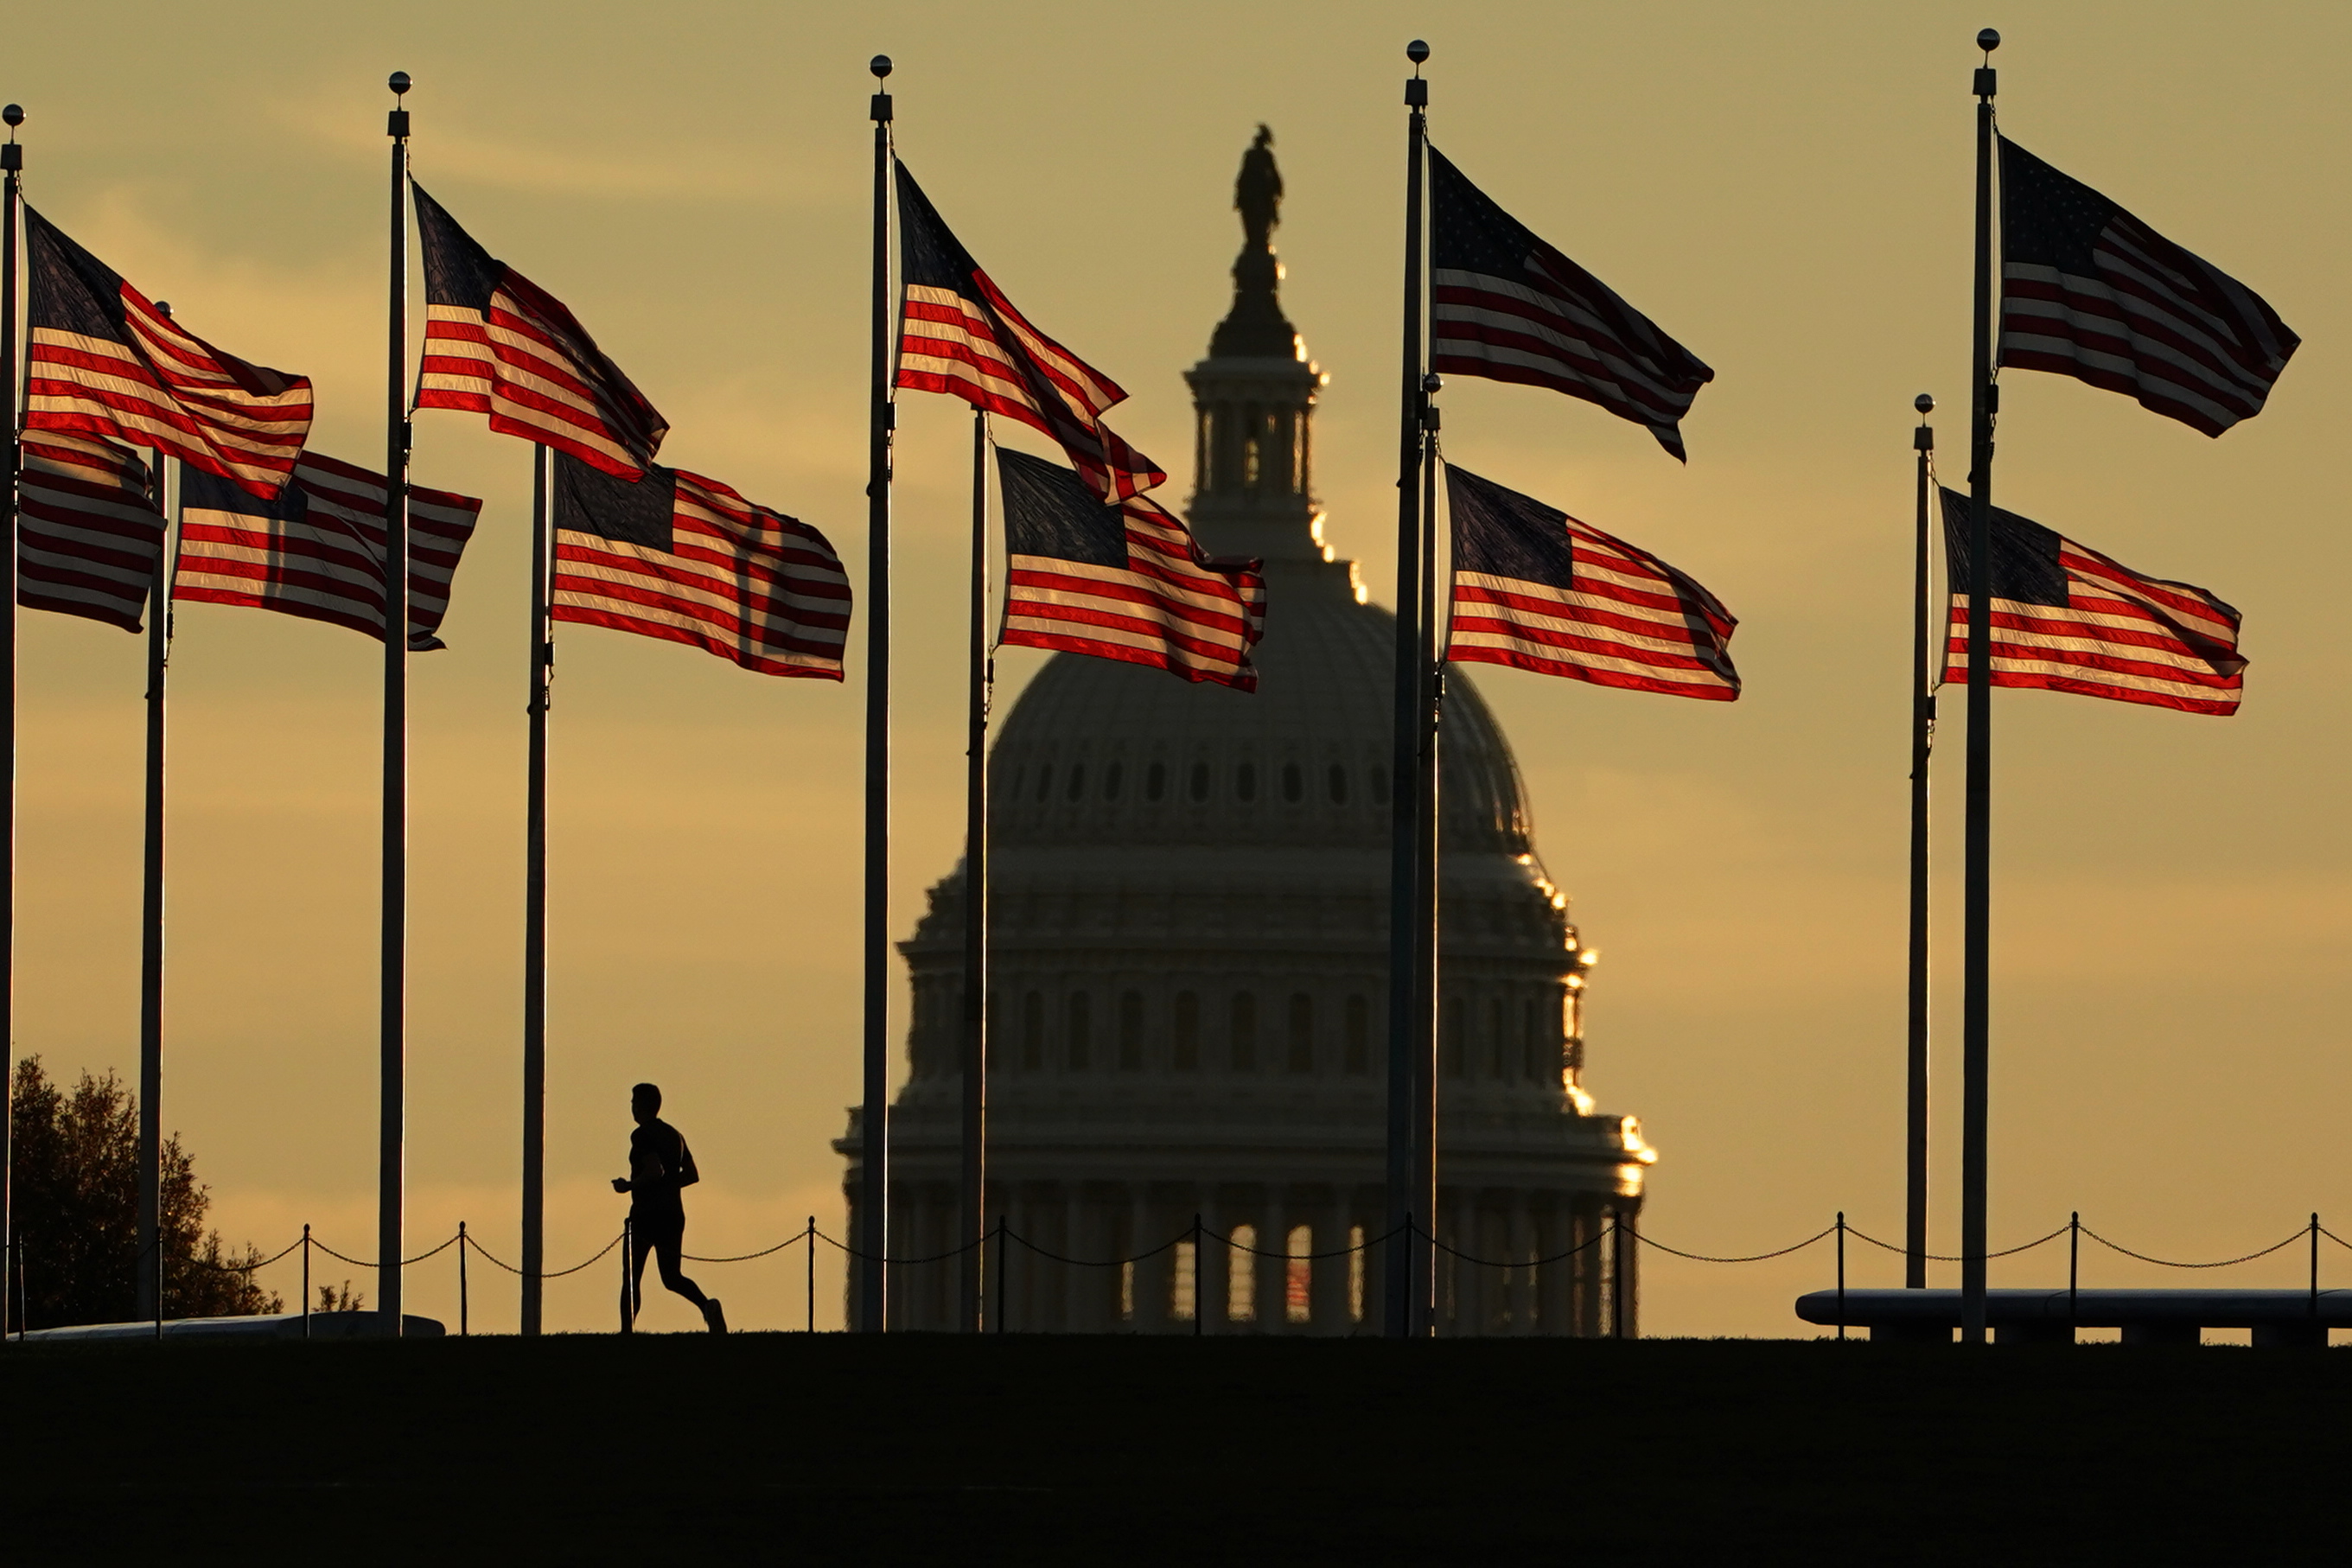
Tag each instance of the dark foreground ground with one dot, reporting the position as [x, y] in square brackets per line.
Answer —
[784, 1449]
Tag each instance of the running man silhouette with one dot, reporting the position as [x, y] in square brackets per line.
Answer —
[660, 1167]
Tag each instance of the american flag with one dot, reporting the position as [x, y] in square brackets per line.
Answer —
[1509, 306]
[2067, 618]
[959, 334]
[88, 533]
[684, 558]
[317, 550]
[1535, 589]
[1125, 581]
[2090, 291]
[105, 361]
[496, 343]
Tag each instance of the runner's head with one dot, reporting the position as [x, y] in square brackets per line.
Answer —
[645, 1102]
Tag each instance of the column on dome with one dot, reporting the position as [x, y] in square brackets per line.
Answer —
[1326, 1292]
[1553, 1281]
[1071, 1305]
[1210, 1271]
[1518, 1225]
[1629, 1273]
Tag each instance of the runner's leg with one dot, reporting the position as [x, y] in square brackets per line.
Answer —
[668, 1248]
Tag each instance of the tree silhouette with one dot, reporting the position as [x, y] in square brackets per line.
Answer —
[76, 1202]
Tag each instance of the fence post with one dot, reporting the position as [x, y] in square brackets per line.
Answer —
[812, 1274]
[306, 1281]
[1841, 1251]
[2074, 1271]
[628, 1250]
[462, 1329]
[2314, 1268]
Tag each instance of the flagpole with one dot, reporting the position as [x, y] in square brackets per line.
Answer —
[1977, 920]
[975, 899]
[540, 676]
[873, 1131]
[1408, 1219]
[1428, 854]
[151, 906]
[1923, 727]
[394, 1031]
[12, 168]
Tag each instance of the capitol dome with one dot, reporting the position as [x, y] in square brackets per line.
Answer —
[1188, 903]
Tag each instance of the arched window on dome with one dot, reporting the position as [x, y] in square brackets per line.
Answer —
[1298, 1275]
[1186, 1054]
[1338, 785]
[1200, 780]
[1457, 1039]
[1155, 781]
[1244, 1032]
[1302, 1033]
[1359, 1036]
[1078, 780]
[1246, 782]
[1131, 1032]
[1046, 781]
[1241, 1276]
[1032, 1033]
[1110, 780]
[1294, 783]
[1081, 1031]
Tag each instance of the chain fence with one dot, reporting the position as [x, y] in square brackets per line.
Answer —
[1618, 1236]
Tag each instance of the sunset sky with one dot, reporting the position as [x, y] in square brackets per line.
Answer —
[1786, 189]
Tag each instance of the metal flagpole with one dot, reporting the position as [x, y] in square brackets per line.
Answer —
[1427, 853]
[1406, 1220]
[151, 906]
[874, 1129]
[393, 1040]
[1923, 732]
[975, 898]
[12, 175]
[540, 676]
[1977, 920]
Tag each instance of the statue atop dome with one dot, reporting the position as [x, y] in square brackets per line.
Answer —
[1257, 193]
[1255, 327]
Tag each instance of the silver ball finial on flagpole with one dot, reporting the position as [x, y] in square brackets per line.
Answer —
[15, 115]
[1989, 40]
[399, 83]
[1924, 403]
[1417, 52]
[163, 308]
[880, 65]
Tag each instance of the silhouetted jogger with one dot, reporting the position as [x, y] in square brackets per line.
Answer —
[660, 1167]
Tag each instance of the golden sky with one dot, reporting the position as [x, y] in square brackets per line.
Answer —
[1784, 188]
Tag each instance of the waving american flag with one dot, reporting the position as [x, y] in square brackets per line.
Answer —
[104, 360]
[1125, 581]
[1535, 589]
[959, 334]
[496, 343]
[1509, 306]
[2067, 618]
[2090, 291]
